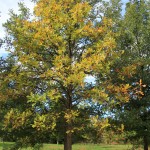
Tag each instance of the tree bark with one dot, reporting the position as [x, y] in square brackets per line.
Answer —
[145, 140]
[68, 139]
[68, 124]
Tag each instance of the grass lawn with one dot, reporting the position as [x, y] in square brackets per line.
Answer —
[4, 145]
[75, 147]
[88, 147]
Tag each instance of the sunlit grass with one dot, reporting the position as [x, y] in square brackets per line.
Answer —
[5, 145]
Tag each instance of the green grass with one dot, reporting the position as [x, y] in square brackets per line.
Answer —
[75, 147]
[87, 147]
[5, 145]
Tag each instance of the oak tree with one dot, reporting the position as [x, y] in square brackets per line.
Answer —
[55, 50]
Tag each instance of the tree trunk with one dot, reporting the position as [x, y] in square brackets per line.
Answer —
[68, 140]
[57, 141]
[68, 123]
[145, 142]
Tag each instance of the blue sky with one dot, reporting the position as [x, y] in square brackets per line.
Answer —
[5, 6]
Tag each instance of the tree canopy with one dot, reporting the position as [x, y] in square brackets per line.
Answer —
[53, 51]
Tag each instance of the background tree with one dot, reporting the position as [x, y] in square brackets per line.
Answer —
[133, 68]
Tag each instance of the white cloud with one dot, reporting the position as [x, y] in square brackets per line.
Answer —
[6, 5]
